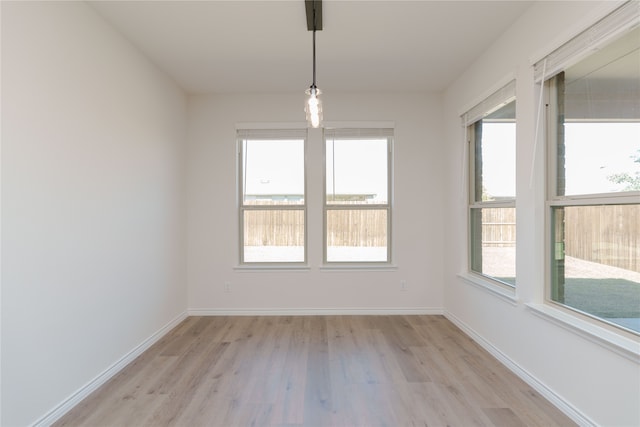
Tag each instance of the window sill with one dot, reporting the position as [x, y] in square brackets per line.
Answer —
[279, 267]
[506, 294]
[623, 346]
[358, 267]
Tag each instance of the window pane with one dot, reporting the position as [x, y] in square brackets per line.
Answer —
[596, 261]
[493, 243]
[600, 158]
[357, 235]
[273, 236]
[599, 111]
[495, 155]
[357, 171]
[273, 172]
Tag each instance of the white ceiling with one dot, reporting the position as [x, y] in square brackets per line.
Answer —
[235, 46]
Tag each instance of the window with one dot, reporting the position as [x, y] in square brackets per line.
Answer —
[491, 131]
[357, 208]
[593, 133]
[272, 196]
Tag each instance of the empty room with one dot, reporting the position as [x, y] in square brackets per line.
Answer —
[320, 213]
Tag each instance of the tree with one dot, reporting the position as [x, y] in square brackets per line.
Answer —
[632, 181]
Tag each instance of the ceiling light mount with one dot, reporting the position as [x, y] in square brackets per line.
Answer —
[314, 14]
[313, 106]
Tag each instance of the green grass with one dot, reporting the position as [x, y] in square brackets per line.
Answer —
[607, 298]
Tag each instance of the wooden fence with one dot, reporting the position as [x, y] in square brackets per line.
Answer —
[274, 228]
[499, 227]
[607, 235]
[286, 228]
[604, 234]
[357, 228]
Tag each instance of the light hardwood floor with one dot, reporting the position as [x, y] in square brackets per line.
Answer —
[315, 371]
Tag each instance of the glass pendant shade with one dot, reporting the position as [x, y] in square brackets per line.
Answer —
[313, 107]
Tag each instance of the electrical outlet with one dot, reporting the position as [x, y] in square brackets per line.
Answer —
[403, 286]
[227, 286]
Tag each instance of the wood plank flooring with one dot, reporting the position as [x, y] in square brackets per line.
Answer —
[315, 371]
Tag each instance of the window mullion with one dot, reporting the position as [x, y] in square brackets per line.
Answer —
[357, 207]
[274, 207]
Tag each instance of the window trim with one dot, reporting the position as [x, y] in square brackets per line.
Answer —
[493, 102]
[506, 292]
[359, 132]
[275, 132]
[612, 338]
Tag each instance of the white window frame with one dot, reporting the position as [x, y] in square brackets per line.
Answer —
[359, 133]
[556, 201]
[492, 103]
[623, 19]
[269, 134]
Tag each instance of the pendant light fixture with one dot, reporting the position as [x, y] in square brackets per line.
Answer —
[313, 105]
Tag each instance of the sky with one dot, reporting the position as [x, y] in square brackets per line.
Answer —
[499, 159]
[593, 152]
[274, 167]
[277, 167]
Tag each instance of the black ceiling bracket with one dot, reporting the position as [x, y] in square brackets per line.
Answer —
[314, 14]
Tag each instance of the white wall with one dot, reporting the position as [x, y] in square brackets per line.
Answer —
[94, 228]
[417, 211]
[93, 203]
[599, 384]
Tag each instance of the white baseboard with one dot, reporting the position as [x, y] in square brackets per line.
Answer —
[314, 311]
[557, 400]
[64, 407]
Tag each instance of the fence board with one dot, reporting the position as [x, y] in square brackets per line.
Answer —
[604, 234]
[498, 227]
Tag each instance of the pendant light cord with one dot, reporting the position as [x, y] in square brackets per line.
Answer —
[314, 49]
[315, 25]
